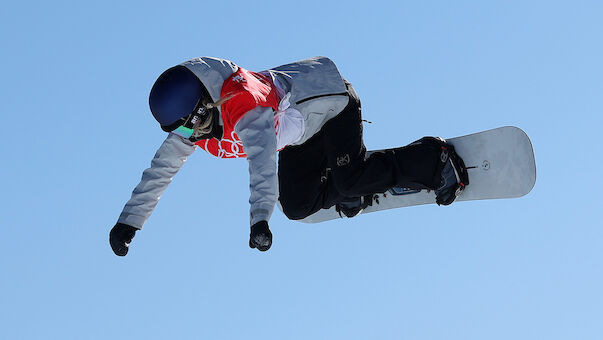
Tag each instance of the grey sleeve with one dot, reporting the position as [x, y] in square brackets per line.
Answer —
[168, 159]
[256, 131]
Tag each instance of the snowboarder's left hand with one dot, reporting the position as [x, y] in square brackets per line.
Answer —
[260, 236]
[120, 238]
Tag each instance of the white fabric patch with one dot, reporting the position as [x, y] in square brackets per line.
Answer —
[289, 123]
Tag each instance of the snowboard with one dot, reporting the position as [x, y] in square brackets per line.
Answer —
[500, 164]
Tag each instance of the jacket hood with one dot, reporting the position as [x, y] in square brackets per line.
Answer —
[212, 72]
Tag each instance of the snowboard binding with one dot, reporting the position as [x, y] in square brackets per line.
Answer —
[353, 206]
[453, 175]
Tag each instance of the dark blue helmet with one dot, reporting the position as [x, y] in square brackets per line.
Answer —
[175, 95]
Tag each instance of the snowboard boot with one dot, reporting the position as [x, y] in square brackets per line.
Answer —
[454, 177]
[353, 206]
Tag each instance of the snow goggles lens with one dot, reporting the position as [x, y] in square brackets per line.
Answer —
[183, 132]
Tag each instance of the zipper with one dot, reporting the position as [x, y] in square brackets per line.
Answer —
[320, 96]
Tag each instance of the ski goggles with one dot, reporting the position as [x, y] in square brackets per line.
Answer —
[193, 122]
[183, 132]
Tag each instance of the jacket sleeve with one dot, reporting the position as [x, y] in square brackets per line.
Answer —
[168, 159]
[256, 131]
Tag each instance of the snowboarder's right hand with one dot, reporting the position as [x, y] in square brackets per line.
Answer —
[260, 236]
[120, 237]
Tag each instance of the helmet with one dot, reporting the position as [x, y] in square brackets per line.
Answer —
[175, 95]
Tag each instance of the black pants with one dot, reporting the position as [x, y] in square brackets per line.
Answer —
[331, 166]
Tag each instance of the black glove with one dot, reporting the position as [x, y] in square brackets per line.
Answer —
[120, 237]
[260, 236]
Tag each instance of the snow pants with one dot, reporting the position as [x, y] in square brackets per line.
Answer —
[332, 166]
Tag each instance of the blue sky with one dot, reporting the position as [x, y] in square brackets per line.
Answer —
[78, 134]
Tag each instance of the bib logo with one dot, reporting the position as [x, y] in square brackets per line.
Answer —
[238, 79]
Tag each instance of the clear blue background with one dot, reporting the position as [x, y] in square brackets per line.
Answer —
[77, 135]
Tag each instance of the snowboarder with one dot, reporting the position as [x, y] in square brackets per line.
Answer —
[308, 113]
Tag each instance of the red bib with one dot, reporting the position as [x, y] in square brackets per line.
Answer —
[248, 90]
